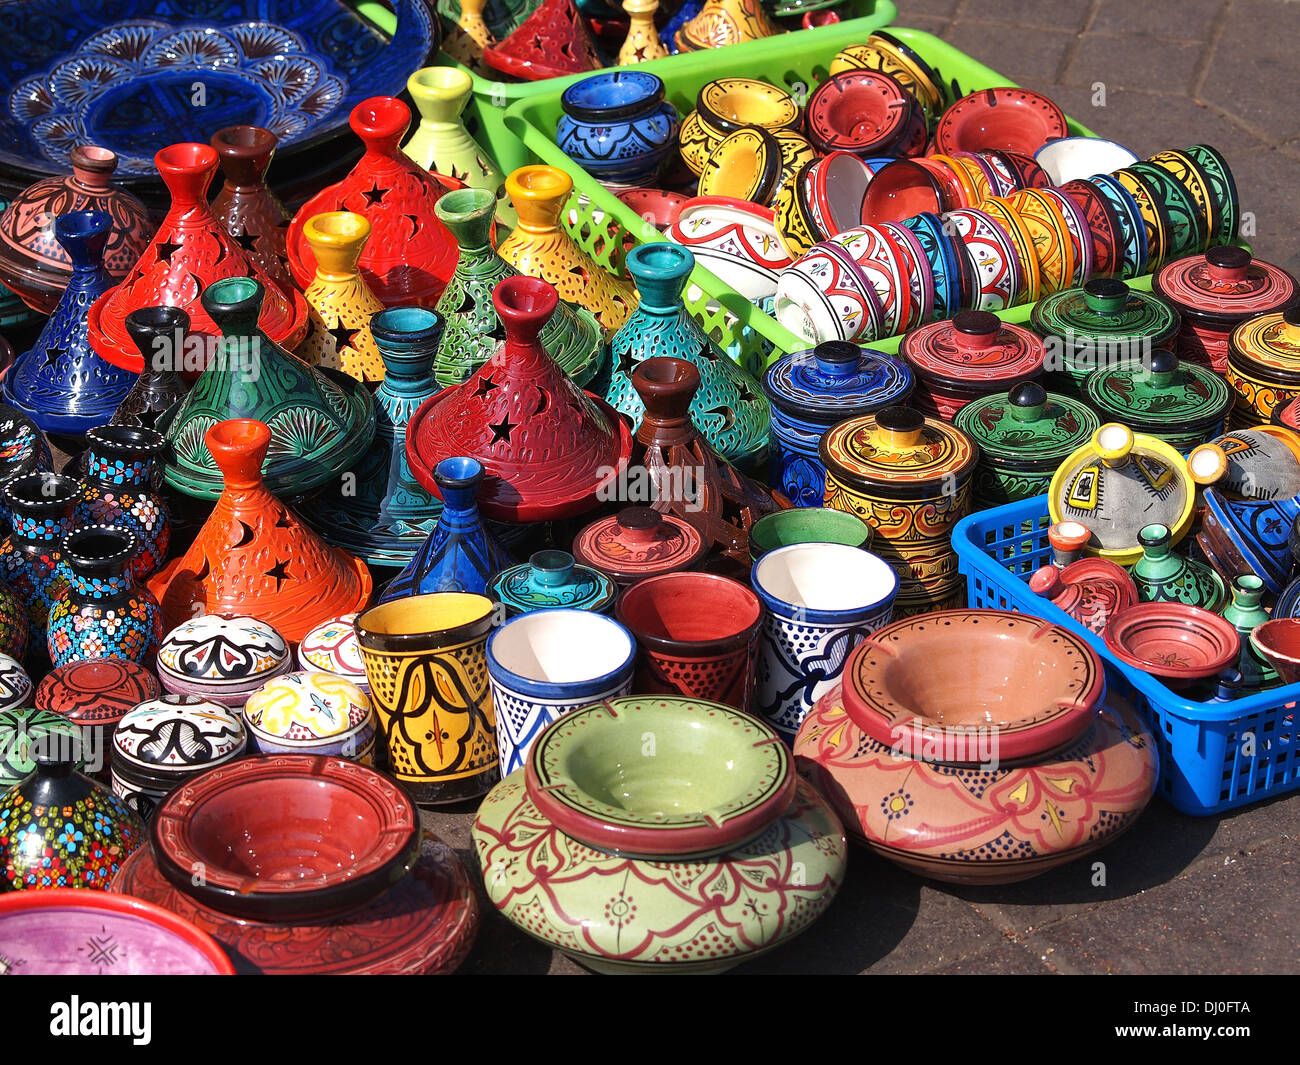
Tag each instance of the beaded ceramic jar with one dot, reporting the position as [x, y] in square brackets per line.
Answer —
[312, 713]
[118, 490]
[41, 506]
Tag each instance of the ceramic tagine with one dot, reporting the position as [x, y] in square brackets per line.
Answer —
[311, 713]
[1249, 536]
[729, 408]
[312, 865]
[473, 330]
[723, 22]
[25, 733]
[221, 657]
[321, 422]
[1022, 437]
[331, 647]
[32, 260]
[410, 254]
[1178, 402]
[1047, 776]
[633, 883]
[251, 212]
[41, 507]
[62, 383]
[1245, 613]
[121, 469]
[1261, 463]
[639, 542]
[1116, 485]
[554, 40]
[909, 478]
[551, 580]
[190, 252]
[339, 301]
[642, 41]
[59, 828]
[1162, 576]
[1090, 590]
[466, 41]
[156, 333]
[1264, 366]
[549, 449]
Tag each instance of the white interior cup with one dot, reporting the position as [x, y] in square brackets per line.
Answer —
[562, 646]
[1076, 158]
[831, 577]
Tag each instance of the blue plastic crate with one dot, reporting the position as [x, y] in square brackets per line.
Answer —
[1204, 767]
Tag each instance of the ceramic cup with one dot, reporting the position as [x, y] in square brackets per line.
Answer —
[697, 635]
[1076, 158]
[426, 663]
[822, 601]
[544, 664]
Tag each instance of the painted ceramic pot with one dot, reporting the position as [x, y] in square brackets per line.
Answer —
[62, 383]
[14, 628]
[909, 478]
[189, 253]
[1105, 225]
[1264, 366]
[157, 333]
[659, 207]
[410, 255]
[465, 42]
[15, 684]
[994, 265]
[1261, 463]
[813, 389]
[540, 247]
[94, 695]
[1175, 642]
[832, 196]
[1135, 256]
[824, 295]
[168, 740]
[685, 651]
[104, 613]
[251, 213]
[753, 164]
[1178, 402]
[26, 734]
[1043, 220]
[734, 240]
[1186, 226]
[321, 421]
[121, 470]
[332, 648]
[1276, 642]
[552, 42]
[822, 600]
[41, 505]
[949, 267]
[807, 525]
[881, 260]
[728, 104]
[550, 580]
[617, 125]
[547, 664]
[254, 556]
[1009, 119]
[1074, 158]
[221, 657]
[23, 449]
[1246, 613]
[1010, 221]
[639, 542]
[62, 830]
[1248, 536]
[1221, 191]
[628, 887]
[1009, 823]
[729, 408]
[1153, 215]
[311, 713]
[1090, 590]
[339, 301]
[66, 932]
[1023, 436]
[428, 676]
[723, 22]
[1164, 577]
[545, 457]
[33, 261]
[902, 189]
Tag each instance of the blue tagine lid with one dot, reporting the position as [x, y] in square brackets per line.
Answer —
[551, 580]
[836, 380]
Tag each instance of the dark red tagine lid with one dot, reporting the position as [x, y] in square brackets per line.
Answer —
[974, 351]
[190, 251]
[251, 212]
[551, 42]
[1225, 285]
[410, 255]
[96, 691]
[547, 446]
[639, 542]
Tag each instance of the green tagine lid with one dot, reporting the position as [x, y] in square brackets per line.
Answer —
[1029, 428]
[1105, 313]
[551, 580]
[1159, 395]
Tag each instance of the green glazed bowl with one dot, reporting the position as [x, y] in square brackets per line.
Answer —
[807, 525]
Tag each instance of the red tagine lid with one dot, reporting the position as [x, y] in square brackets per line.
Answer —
[639, 542]
[190, 251]
[96, 691]
[1225, 285]
[548, 447]
[410, 255]
[551, 42]
[974, 351]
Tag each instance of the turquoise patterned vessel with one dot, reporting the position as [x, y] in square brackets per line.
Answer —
[551, 580]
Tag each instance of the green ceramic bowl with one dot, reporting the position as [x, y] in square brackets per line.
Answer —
[807, 525]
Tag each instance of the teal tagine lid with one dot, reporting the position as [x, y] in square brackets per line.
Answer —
[551, 580]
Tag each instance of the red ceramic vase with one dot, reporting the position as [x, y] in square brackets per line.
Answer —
[252, 214]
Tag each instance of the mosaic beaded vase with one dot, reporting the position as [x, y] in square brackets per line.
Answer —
[118, 490]
[42, 506]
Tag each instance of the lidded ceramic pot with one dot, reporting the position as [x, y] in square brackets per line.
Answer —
[1264, 366]
[1216, 292]
[909, 478]
[972, 355]
[15, 684]
[1090, 590]
[168, 740]
[94, 695]
[639, 542]
[221, 657]
[156, 333]
[1178, 402]
[1101, 324]
[25, 733]
[332, 647]
[1162, 576]
[810, 391]
[1261, 463]
[1022, 436]
[1245, 536]
[311, 713]
[617, 126]
[252, 214]
[1245, 612]
[551, 580]
[1118, 483]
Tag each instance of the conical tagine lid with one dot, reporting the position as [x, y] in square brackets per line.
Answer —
[190, 251]
[410, 255]
[321, 421]
[548, 447]
[254, 556]
[551, 42]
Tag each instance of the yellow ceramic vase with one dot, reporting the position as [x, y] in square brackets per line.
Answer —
[540, 247]
[642, 41]
[441, 143]
[426, 661]
[470, 37]
[339, 301]
[723, 22]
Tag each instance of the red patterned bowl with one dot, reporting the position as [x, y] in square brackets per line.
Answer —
[1173, 641]
[1009, 119]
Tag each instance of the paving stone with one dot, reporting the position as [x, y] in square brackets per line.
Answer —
[1036, 55]
[1004, 959]
[1134, 61]
[1254, 72]
[910, 10]
[1188, 20]
[1058, 15]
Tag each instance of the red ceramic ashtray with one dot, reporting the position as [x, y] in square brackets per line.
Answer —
[1279, 643]
[96, 691]
[901, 189]
[1174, 641]
[965, 684]
[286, 836]
[859, 111]
[1006, 119]
[659, 207]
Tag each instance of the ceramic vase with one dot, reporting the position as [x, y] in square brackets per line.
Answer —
[252, 214]
[540, 247]
[14, 628]
[121, 466]
[618, 127]
[158, 334]
[33, 261]
[339, 301]
[554, 40]
[1246, 612]
[551, 580]
[429, 686]
[441, 143]
[1162, 576]
[104, 613]
[642, 41]
[572, 336]
[41, 505]
[62, 383]
[23, 449]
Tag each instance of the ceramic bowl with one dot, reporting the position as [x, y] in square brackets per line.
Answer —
[744, 165]
[95, 694]
[733, 239]
[1172, 641]
[1278, 643]
[947, 262]
[885, 266]
[225, 657]
[1101, 223]
[834, 189]
[659, 207]
[792, 215]
[311, 713]
[1135, 255]
[993, 262]
[807, 525]
[825, 296]
[859, 111]
[1075, 158]
[902, 190]
[1014, 120]
[332, 648]
[547, 664]
[728, 104]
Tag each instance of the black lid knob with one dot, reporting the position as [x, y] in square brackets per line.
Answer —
[976, 323]
[900, 419]
[1027, 394]
[1228, 257]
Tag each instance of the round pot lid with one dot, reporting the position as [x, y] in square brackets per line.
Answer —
[1104, 309]
[15, 684]
[25, 733]
[1225, 285]
[96, 691]
[551, 580]
[307, 708]
[1163, 394]
[332, 647]
[1028, 426]
[973, 351]
[179, 733]
[836, 380]
[896, 447]
[223, 649]
[639, 542]
[1269, 345]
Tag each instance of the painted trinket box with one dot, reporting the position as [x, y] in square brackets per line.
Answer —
[221, 657]
[551, 580]
[312, 713]
[332, 648]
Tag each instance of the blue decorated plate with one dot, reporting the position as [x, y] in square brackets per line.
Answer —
[136, 76]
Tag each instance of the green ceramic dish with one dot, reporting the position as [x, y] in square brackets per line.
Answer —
[807, 525]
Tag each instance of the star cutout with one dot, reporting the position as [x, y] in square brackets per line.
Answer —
[53, 355]
[623, 361]
[246, 240]
[374, 194]
[280, 571]
[485, 385]
[342, 334]
[640, 54]
[166, 250]
[501, 430]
